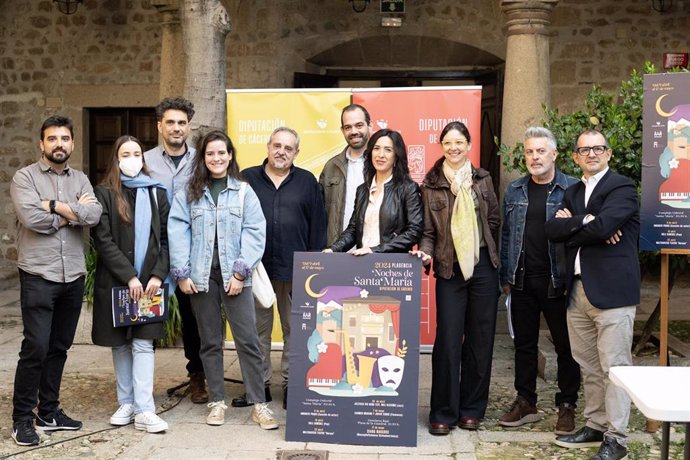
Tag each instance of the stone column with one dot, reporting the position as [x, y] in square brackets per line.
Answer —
[527, 83]
[172, 51]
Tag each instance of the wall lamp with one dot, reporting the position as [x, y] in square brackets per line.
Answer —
[662, 6]
[68, 6]
[358, 6]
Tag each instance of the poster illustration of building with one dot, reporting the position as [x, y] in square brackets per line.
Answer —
[665, 210]
[354, 349]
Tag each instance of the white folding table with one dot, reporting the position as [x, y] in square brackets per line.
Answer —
[660, 393]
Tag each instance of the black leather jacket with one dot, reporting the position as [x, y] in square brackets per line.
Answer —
[401, 220]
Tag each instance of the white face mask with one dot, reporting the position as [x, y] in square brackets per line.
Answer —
[130, 166]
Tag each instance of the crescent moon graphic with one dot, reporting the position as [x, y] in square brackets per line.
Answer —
[660, 111]
[308, 290]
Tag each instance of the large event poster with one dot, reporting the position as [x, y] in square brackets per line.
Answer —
[420, 114]
[665, 212]
[315, 115]
[354, 349]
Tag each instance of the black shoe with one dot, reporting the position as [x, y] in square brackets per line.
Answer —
[610, 450]
[24, 433]
[59, 421]
[285, 398]
[585, 437]
[242, 400]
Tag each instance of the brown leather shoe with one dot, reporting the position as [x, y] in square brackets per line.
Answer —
[439, 429]
[520, 413]
[566, 419]
[197, 388]
[469, 423]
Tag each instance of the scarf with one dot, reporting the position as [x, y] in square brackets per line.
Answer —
[142, 216]
[463, 220]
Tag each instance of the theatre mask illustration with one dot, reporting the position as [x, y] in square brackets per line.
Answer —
[391, 369]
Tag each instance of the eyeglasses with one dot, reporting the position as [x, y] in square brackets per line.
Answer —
[597, 149]
[451, 144]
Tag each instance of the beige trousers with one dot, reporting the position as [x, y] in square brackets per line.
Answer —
[601, 339]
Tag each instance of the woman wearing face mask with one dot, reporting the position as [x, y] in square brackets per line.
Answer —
[388, 215]
[131, 241]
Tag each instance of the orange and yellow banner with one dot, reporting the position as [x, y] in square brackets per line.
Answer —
[315, 115]
[418, 113]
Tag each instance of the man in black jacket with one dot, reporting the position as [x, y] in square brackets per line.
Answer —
[599, 223]
[295, 221]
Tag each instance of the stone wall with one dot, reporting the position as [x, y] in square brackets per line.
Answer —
[600, 42]
[108, 54]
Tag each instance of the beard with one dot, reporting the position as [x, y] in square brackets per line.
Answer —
[62, 157]
[357, 142]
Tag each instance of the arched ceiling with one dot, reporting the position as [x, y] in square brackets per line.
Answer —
[404, 51]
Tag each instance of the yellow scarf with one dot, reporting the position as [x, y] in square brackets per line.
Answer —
[463, 220]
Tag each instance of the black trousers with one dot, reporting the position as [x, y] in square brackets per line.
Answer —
[50, 313]
[463, 348]
[190, 333]
[526, 307]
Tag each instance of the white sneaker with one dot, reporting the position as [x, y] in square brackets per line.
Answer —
[262, 415]
[217, 415]
[123, 416]
[149, 422]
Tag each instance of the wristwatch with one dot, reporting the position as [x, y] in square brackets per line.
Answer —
[51, 203]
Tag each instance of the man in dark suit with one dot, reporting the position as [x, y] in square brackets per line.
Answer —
[599, 223]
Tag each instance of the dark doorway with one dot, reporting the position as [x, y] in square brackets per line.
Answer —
[107, 124]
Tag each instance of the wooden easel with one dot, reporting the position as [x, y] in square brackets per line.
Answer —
[663, 320]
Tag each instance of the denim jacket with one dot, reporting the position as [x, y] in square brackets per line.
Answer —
[515, 204]
[192, 230]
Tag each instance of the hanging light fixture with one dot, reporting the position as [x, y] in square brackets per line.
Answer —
[358, 6]
[662, 6]
[68, 6]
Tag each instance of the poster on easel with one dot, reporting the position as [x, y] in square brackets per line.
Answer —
[665, 210]
[354, 349]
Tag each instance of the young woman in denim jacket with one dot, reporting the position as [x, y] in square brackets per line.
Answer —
[215, 242]
[461, 221]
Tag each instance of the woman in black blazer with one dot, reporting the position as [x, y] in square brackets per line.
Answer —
[388, 214]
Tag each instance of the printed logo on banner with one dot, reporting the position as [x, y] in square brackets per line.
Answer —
[416, 161]
[382, 123]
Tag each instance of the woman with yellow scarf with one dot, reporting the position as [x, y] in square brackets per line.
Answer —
[461, 221]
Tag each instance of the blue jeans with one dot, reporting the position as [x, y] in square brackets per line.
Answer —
[50, 312]
[134, 362]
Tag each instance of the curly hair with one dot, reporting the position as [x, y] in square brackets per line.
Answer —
[174, 103]
[200, 176]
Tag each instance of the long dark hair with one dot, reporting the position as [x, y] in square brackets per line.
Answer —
[200, 176]
[112, 180]
[400, 168]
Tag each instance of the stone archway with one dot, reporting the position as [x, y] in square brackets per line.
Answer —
[405, 52]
